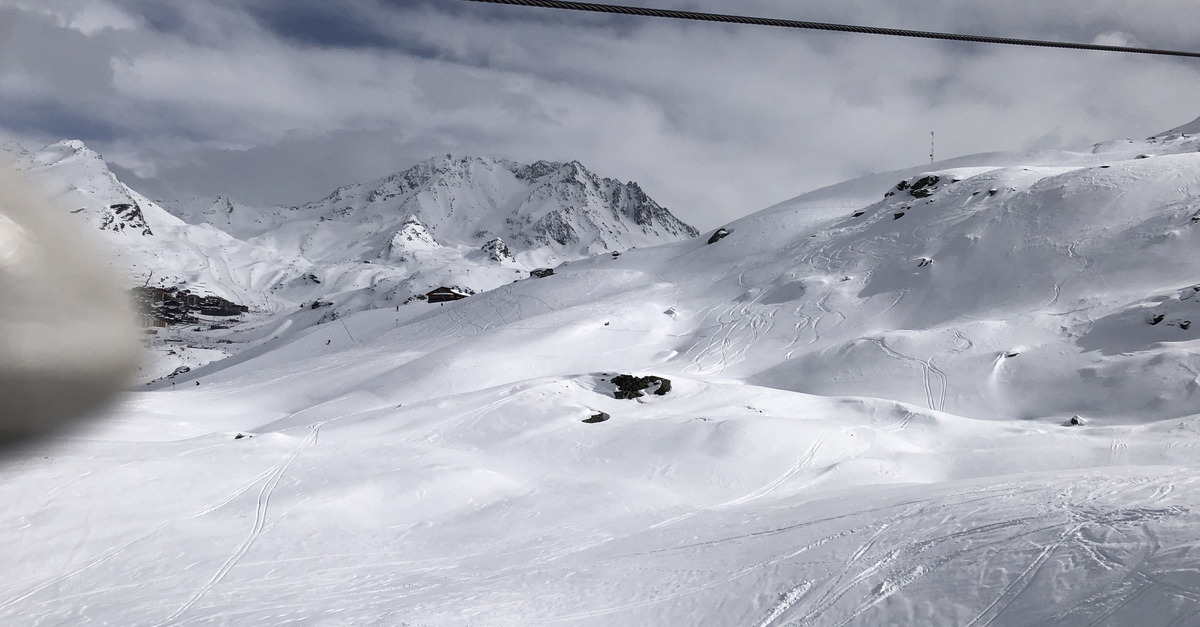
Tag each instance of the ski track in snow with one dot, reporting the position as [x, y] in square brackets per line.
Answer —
[806, 460]
[1057, 294]
[654, 600]
[108, 555]
[1021, 583]
[833, 594]
[1119, 451]
[798, 328]
[903, 423]
[785, 603]
[738, 329]
[822, 304]
[966, 343]
[260, 518]
[899, 298]
[899, 567]
[934, 378]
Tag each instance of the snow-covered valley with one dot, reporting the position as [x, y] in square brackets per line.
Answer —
[960, 394]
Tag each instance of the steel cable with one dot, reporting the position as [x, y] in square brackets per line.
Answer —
[842, 28]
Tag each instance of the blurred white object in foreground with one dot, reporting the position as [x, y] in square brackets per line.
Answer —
[67, 337]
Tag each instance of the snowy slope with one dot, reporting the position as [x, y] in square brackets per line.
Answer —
[869, 424]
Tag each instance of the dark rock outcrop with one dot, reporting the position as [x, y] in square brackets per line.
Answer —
[497, 250]
[629, 386]
[922, 187]
[718, 235]
[125, 215]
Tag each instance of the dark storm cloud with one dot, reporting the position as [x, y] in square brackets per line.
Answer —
[331, 24]
[51, 57]
[163, 17]
[380, 23]
[294, 170]
[54, 119]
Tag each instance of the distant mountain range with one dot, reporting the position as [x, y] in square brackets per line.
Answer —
[561, 207]
[469, 222]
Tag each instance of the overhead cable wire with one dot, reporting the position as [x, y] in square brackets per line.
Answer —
[842, 28]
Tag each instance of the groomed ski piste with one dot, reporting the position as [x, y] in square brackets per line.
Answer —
[961, 394]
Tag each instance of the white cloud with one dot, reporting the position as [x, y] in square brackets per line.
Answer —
[85, 16]
[714, 120]
[1113, 38]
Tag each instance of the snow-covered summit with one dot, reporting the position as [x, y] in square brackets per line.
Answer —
[561, 207]
[147, 244]
[473, 199]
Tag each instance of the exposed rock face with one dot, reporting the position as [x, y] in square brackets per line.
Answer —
[579, 191]
[125, 215]
[919, 187]
[497, 250]
[554, 228]
[471, 200]
[629, 386]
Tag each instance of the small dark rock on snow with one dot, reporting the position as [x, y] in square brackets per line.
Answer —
[718, 235]
[596, 417]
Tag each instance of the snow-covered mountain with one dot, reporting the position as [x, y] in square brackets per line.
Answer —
[148, 245]
[963, 393]
[560, 207]
[472, 224]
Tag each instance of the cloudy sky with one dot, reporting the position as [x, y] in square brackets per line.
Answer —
[280, 101]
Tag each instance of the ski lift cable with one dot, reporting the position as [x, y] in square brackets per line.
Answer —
[843, 28]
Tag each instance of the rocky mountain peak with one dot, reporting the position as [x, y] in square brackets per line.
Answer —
[464, 200]
[497, 250]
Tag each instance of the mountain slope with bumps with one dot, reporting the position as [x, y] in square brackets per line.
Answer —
[959, 394]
